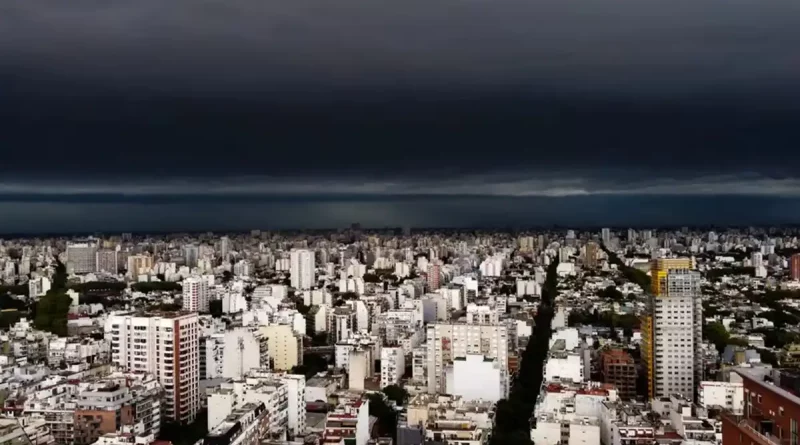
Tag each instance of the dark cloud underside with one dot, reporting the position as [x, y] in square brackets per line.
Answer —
[315, 113]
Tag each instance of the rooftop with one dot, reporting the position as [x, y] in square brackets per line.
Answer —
[760, 379]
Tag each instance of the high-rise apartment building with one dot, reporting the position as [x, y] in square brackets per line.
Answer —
[590, 254]
[672, 333]
[434, 273]
[605, 235]
[393, 365]
[139, 265]
[195, 294]
[794, 266]
[285, 346]
[302, 269]
[107, 261]
[447, 342]
[166, 345]
[191, 253]
[81, 256]
[224, 247]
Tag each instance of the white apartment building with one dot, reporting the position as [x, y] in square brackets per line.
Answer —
[195, 294]
[446, 342]
[166, 345]
[348, 423]
[38, 286]
[528, 287]
[246, 425]
[278, 392]
[564, 363]
[234, 353]
[295, 386]
[362, 340]
[393, 365]
[342, 323]
[492, 267]
[419, 364]
[481, 314]
[728, 395]
[476, 377]
[81, 257]
[301, 270]
[677, 329]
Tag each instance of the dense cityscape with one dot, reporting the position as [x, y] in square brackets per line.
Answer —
[356, 337]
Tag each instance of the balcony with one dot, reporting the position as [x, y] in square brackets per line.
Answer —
[753, 429]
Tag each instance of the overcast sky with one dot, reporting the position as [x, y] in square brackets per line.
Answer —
[366, 109]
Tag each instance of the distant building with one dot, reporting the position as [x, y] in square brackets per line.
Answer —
[302, 271]
[590, 255]
[434, 277]
[190, 255]
[81, 257]
[195, 294]
[139, 265]
[794, 266]
[107, 261]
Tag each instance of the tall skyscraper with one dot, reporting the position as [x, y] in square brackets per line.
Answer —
[195, 294]
[794, 266]
[301, 269]
[164, 344]
[672, 331]
[81, 256]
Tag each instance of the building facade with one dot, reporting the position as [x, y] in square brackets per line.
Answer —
[166, 345]
[195, 294]
[302, 271]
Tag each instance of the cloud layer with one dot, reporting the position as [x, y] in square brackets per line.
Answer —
[245, 45]
[503, 186]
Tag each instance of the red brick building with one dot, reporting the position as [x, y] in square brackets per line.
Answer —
[771, 413]
[794, 266]
[619, 369]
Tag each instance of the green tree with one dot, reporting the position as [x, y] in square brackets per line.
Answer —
[156, 286]
[397, 394]
[52, 308]
[716, 333]
[227, 276]
[387, 416]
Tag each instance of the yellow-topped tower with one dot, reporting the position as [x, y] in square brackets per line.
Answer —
[659, 269]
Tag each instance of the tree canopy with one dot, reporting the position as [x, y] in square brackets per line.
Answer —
[52, 308]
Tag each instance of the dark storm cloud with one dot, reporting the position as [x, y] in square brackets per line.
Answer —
[103, 99]
[249, 45]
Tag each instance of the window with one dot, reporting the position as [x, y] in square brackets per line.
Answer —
[793, 436]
